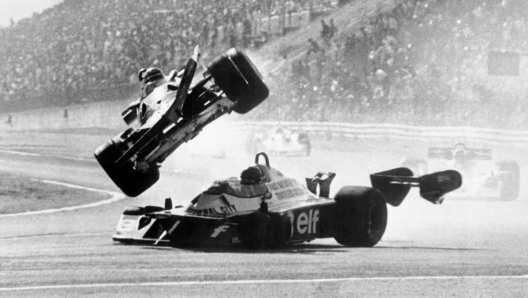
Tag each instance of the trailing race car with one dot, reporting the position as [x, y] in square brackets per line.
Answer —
[172, 112]
[281, 141]
[483, 178]
[265, 208]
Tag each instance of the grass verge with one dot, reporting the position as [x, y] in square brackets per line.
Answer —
[22, 194]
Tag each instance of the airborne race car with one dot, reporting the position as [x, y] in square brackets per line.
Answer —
[267, 209]
[281, 141]
[174, 112]
[483, 177]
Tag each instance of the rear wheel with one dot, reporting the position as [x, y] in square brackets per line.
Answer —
[362, 216]
[240, 80]
[130, 181]
[281, 230]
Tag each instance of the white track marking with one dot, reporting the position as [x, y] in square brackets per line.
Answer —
[36, 154]
[19, 153]
[74, 158]
[266, 281]
[115, 197]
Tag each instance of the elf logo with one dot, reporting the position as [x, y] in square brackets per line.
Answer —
[307, 222]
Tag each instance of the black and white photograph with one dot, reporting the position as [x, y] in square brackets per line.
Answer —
[263, 148]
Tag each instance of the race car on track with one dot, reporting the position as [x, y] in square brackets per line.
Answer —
[281, 141]
[172, 112]
[484, 178]
[264, 208]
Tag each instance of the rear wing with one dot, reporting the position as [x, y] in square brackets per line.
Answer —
[395, 184]
[471, 153]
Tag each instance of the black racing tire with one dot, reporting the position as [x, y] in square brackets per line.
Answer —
[130, 181]
[361, 216]
[240, 80]
[282, 231]
[259, 232]
[509, 177]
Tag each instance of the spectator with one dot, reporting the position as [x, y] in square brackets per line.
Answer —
[313, 47]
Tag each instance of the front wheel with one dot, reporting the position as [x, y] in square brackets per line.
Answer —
[259, 231]
[130, 181]
[240, 80]
[361, 216]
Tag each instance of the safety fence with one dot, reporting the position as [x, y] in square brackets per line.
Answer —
[496, 137]
[107, 115]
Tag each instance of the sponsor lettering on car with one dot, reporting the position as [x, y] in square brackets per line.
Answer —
[219, 230]
[286, 189]
[128, 223]
[307, 222]
[213, 210]
[282, 184]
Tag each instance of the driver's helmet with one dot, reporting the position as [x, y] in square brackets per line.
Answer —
[252, 175]
[149, 79]
[152, 74]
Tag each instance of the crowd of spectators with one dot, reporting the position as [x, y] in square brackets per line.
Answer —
[82, 45]
[420, 62]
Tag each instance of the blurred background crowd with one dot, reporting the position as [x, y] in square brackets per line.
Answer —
[421, 62]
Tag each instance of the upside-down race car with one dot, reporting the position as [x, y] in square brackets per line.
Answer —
[175, 112]
[483, 177]
[265, 208]
[281, 141]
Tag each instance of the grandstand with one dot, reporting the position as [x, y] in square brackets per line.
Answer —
[418, 62]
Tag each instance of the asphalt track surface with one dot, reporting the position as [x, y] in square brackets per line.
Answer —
[457, 249]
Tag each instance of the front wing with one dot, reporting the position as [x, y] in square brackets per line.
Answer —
[298, 224]
[176, 230]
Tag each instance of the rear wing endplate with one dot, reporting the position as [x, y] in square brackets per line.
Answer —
[396, 183]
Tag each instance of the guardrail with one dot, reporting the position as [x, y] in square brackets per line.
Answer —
[395, 131]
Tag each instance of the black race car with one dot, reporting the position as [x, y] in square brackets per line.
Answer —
[172, 111]
[264, 208]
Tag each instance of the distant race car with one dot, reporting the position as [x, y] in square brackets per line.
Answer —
[265, 208]
[281, 141]
[484, 178]
[174, 112]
